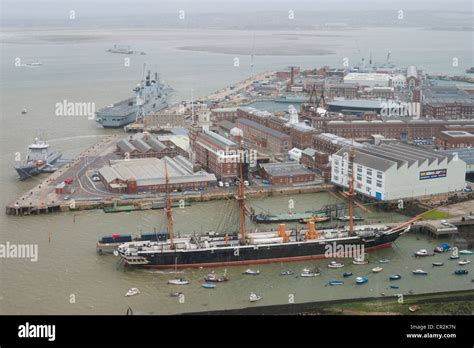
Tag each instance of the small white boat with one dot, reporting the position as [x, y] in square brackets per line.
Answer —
[254, 297]
[377, 269]
[423, 252]
[178, 281]
[360, 261]
[251, 272]
[362, 280]
[384, 261]
[413, 308]
[334, 264]
[454, 257]
[310, 273]
[438, 264]
[132, 291]
[464, 262]
[420, 272]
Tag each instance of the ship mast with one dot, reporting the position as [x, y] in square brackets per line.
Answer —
[241, 197]
[168, 209]
[351, 192]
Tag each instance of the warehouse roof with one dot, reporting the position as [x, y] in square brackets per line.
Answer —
[285, 169]
[151, 171]
[262, 128]
[384, 156]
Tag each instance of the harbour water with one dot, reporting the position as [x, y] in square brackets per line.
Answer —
[76, 68]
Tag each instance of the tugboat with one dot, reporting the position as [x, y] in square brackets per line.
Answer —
[39, 159]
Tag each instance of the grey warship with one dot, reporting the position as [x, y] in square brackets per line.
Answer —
[151, 95]
[39, 159]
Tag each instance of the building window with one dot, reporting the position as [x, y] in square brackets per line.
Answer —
[369, 181]
[359, 169]
[359, 177]
[379, 183]
[336, 178]
[379, 175]
[369, 172]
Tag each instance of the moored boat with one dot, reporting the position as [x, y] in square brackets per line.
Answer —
[335, 282]
[132, 291]
[288, 272]
[212, 278]
[334, 264]
[394, 287]
[247, 247]
[310, 272]
[377, 269]
[461, 272]
[466, 252]
[251, 272]
[362, 280]
[442, 248]
[420, 272]
[413, 308]
[454, 257]
[208, 286]
[178, 281]
[254, 297]
[395, 277]
[438, 264]
[360, 261]
[384, 261]
[347, 274]
[464, 262]
[423, 252]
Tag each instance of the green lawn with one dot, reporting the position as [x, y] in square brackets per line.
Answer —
[435, 215]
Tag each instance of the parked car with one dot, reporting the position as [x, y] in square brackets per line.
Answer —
[69, 181]
[246, 183]
[226, 184]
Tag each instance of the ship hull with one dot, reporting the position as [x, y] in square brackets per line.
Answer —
[27, 171]
[268, 253]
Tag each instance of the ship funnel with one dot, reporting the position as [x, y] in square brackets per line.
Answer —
[282, 232]
[312, 233]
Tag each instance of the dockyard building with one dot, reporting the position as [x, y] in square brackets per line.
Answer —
[148, 175]
[398, 171]
[286, 173]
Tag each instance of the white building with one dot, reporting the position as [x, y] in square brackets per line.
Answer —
[368, 79]
[295, 154]
[396, 171]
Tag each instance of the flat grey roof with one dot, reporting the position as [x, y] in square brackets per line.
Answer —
[151, 171]
[285, 169]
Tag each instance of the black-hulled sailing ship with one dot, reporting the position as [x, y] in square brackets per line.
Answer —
[239, 248]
